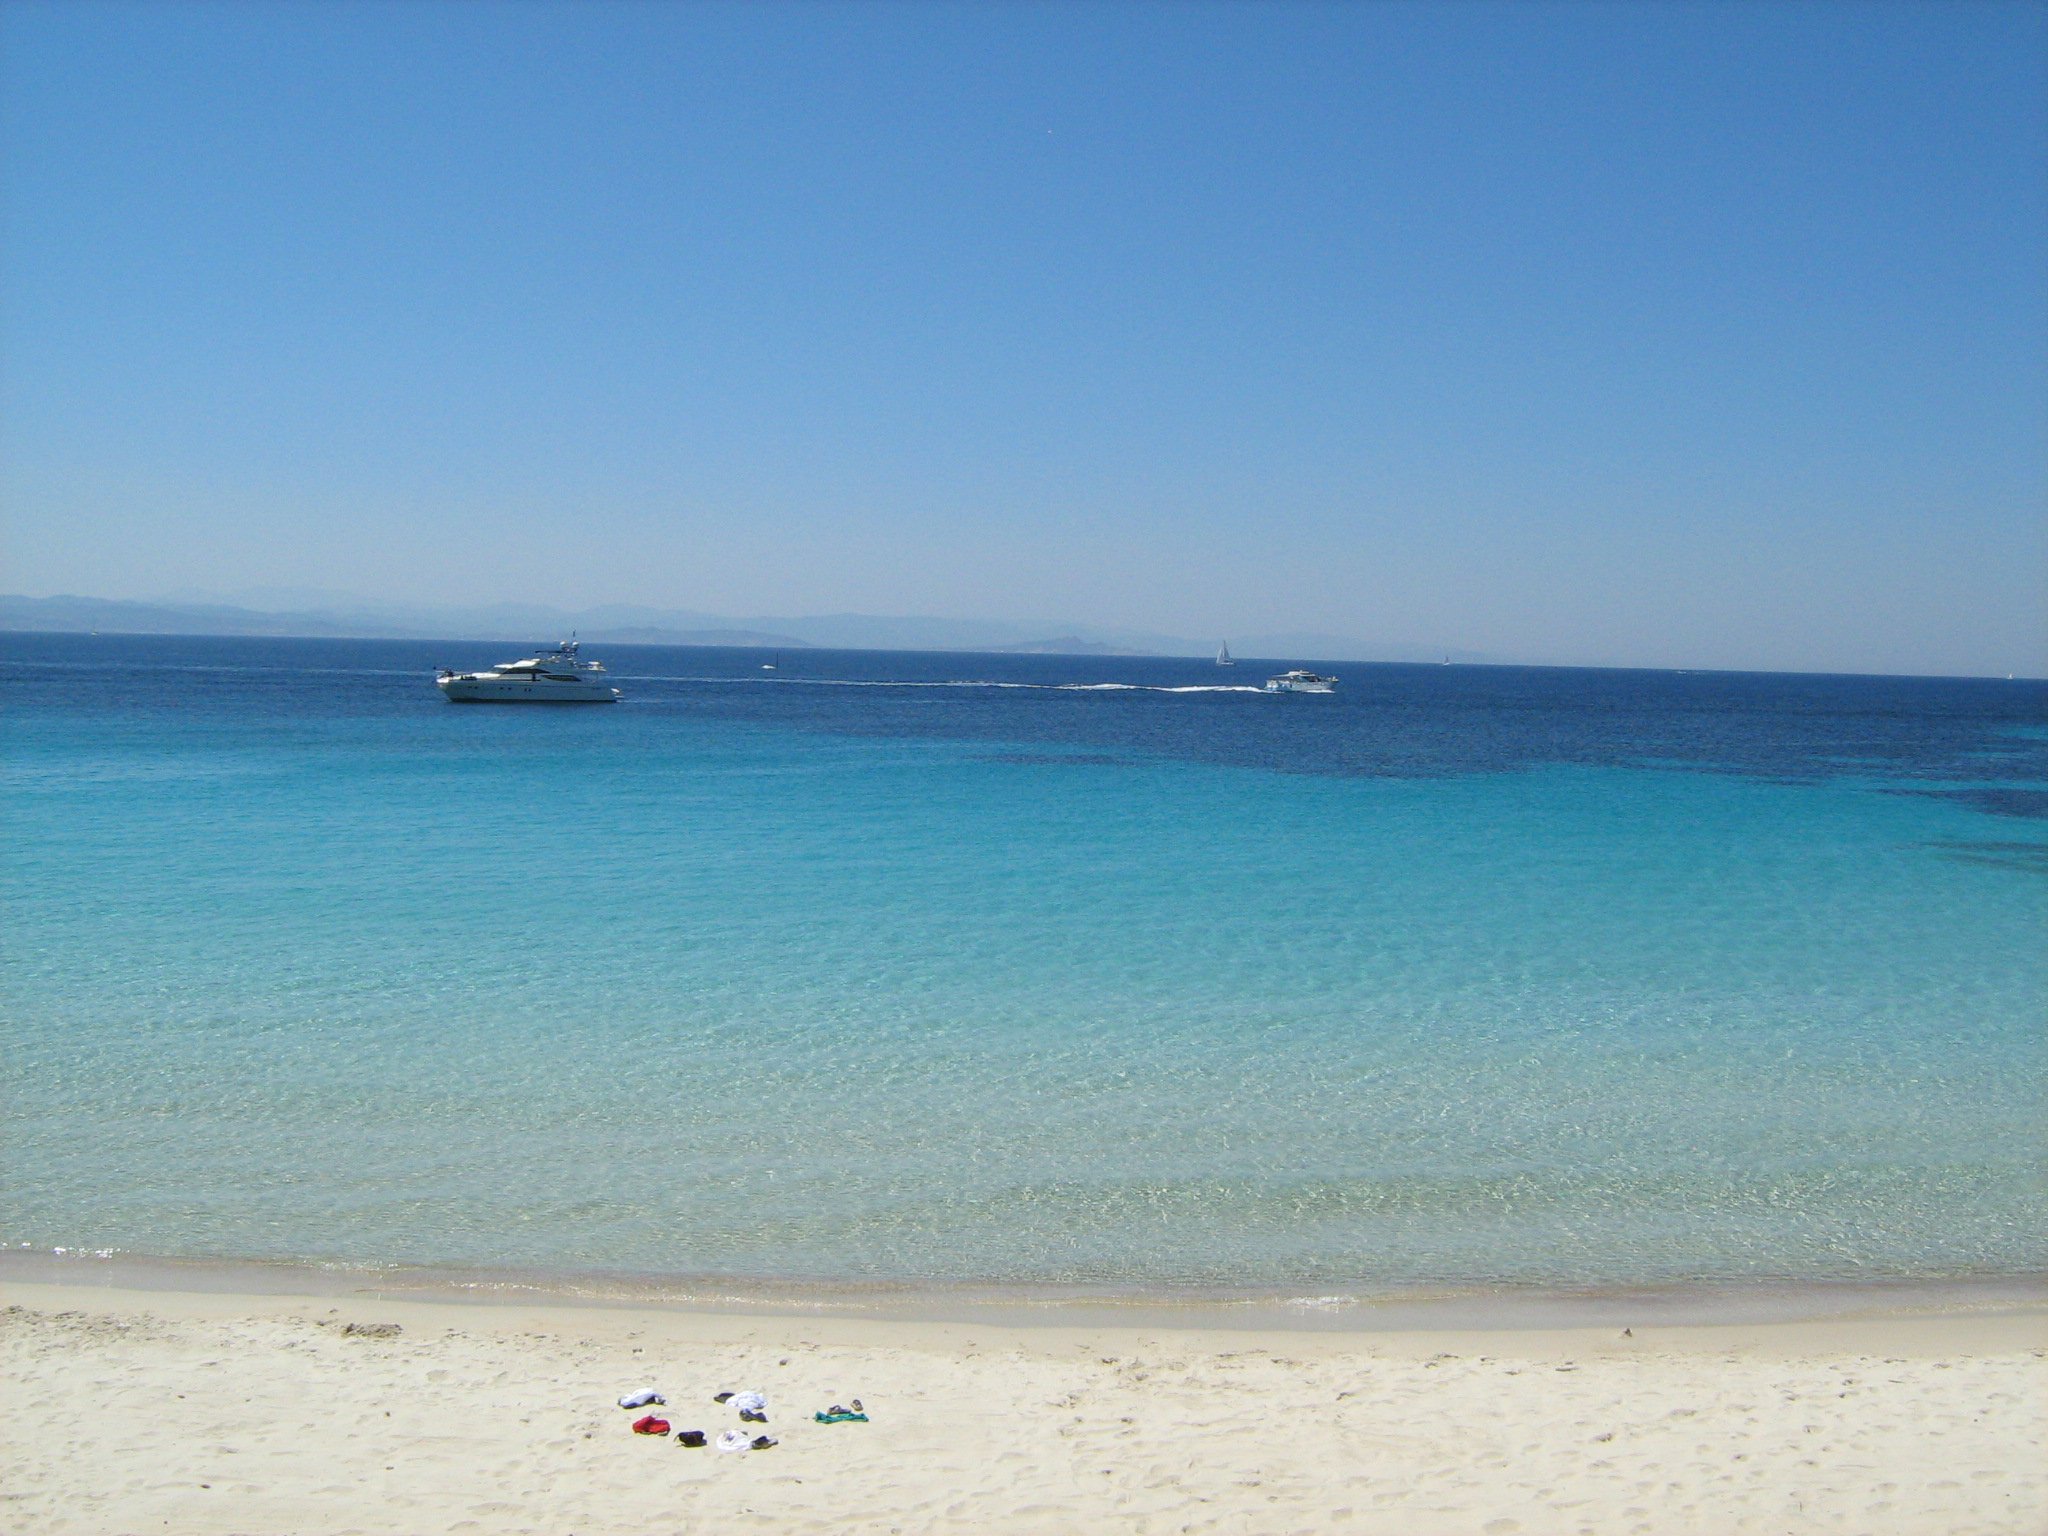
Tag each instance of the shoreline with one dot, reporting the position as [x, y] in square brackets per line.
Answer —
[1310, 1307]
[234, 1414]
[2022, 1329]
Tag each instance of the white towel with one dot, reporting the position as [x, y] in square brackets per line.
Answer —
[735, 1440]
[751, 1402]
[642, 1399]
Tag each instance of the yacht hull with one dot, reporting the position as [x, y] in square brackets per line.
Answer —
[469, 691]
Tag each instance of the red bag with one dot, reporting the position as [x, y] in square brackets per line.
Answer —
[650, 1426]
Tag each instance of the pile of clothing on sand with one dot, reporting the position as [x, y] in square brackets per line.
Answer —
[752, 1408]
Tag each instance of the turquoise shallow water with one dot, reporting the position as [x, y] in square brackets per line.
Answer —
[783, 978]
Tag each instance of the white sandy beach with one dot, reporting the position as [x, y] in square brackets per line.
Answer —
[147, 1411]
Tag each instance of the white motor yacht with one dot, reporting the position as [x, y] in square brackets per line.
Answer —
[1299, 682]
[551, 677]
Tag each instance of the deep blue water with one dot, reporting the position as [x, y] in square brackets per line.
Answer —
[1023, 969]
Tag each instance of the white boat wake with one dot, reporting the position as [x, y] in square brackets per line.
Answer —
[851, 682]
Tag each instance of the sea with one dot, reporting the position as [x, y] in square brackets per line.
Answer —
[893, 973]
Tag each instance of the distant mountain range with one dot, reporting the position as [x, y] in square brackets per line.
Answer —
[731, 637]
[318, 614]
[1069, 645]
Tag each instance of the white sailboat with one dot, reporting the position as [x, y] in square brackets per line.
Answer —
[1223, 656]
[773, 666]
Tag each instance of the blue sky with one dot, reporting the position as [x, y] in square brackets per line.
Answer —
[1691, 335]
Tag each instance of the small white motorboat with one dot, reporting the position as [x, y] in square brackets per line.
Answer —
[1298, 681]
[550, 677]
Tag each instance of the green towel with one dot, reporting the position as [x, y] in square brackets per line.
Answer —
[840, 1418]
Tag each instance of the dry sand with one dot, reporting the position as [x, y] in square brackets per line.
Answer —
[141, 1411]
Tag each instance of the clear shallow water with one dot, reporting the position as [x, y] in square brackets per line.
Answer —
[1463, 976]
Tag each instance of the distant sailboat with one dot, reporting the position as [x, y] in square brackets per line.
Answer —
[773, 666]
[1223, 658]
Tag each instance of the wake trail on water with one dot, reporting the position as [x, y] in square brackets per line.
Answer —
[850, 682]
